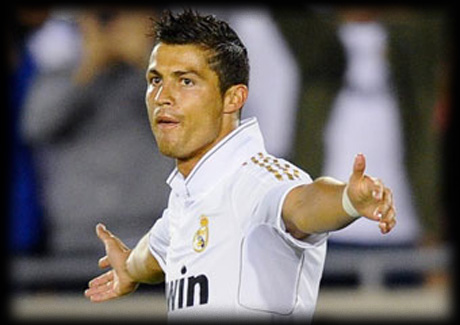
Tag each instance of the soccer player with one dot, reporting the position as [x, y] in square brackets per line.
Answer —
[244, 234]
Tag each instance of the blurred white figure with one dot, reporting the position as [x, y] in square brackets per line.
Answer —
[365, 118]
[274, 80]
[57, 44]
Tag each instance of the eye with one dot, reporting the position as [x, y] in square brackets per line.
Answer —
[187, 82]
[154, 80]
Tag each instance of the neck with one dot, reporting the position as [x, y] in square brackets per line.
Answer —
[186, 165]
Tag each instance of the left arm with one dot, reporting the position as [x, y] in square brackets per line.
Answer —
[317, 207]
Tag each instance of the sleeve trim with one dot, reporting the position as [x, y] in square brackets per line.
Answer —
[311, 241]
[160, 259]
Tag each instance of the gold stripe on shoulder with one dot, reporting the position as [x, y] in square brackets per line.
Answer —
[274, 167]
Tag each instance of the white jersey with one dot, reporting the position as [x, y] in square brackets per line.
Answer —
[222, 242]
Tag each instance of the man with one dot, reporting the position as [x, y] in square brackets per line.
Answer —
[244, 234]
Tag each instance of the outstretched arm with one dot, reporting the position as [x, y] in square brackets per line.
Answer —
[317, 207]
[129, 268]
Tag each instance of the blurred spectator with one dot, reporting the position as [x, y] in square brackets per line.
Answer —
[398, 67]
[88, 124]
[25, 231]
[275, 78]
[365, 118]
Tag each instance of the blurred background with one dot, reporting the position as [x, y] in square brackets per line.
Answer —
[326, 83]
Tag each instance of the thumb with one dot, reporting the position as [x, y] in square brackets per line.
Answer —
[102, 232]
[108, 238]
[359, 167]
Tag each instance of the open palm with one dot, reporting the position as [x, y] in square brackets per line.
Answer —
[117, 281]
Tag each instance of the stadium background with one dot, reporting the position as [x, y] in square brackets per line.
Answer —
[358, 283]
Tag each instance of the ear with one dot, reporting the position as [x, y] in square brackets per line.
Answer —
[234, 98]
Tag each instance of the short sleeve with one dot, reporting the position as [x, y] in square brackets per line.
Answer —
[269, 252]
[159, 239]
[259, 193]
[270, 210]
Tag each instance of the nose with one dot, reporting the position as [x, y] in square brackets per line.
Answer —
[163, 95]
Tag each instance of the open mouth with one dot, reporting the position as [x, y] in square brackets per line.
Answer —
[166, 121]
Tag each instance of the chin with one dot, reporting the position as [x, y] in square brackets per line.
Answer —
[168, 152]
[171, 151]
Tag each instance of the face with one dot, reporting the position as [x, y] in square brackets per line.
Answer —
[184, 103]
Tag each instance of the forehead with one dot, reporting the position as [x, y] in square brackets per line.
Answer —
[188, 56]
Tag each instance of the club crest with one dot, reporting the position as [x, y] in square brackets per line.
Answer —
[200, 240]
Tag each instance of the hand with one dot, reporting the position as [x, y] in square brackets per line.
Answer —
[370, 197]
[117, 282]
[96, 50]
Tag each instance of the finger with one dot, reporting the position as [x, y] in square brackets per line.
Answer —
[101, 293]
[383, 227]
[377, 215]
[104, 262]
[101, 280]
[359, 167]
[102, 232]
[95, 290]
[100, 284]
[392, 223]
[386, 205]
[377, 188]
[390, 218]
[388, 222]
[107, 237]
[103, 296]
[387, 202]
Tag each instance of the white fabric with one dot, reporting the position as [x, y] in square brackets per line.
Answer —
[250, 266]
[365, 119]
[274, 82]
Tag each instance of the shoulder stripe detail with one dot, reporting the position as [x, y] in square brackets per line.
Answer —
[280, 169]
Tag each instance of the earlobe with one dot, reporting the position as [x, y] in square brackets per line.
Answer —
[234, 98]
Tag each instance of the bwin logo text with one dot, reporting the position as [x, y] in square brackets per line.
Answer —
[181, 293]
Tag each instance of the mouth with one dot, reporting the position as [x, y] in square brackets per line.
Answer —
[166, 121]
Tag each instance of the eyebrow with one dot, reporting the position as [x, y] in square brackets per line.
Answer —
[151, 72]
[177, 73]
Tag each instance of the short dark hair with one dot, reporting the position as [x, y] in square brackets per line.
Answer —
[229, 57]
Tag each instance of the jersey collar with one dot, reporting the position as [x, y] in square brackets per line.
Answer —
[223, 159]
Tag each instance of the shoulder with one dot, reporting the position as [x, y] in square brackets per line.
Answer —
[260, 186]
[269, 169]
[261, 172]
